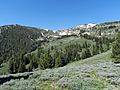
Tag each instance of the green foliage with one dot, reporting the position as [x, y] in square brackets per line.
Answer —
[116, 49]
[16, 38]
[16, 64]
[56, 55]
[89, 74]
[95, 50]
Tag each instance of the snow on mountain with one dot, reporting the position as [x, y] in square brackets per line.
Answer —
[46, 29]
[54, 31]
[87, 26]
[62, 33]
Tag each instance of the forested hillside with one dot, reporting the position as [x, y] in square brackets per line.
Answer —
[84, 57]
[116, 49]
[24, 48]
[15, 39]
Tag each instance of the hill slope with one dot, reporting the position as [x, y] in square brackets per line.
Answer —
[16, 41]
[24, 48]
[16, 38]
[95, 73]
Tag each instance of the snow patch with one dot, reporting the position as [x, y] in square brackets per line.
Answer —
[47, 29]
[86, 26]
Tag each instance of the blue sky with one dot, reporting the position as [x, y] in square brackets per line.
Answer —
[58, 14]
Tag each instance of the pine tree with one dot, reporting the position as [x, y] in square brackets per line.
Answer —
[58, 62]
[88, 53]
[83, 54]
[11, 65]
[95, 51]
[116, 49]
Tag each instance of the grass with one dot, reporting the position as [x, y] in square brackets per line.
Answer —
[100, 58]
[49, 85]
[95, 73]
[65, 41]
[61, 43]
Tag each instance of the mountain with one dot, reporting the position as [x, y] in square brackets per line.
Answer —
[106, 29]
[57, 59]
[86, 26]
[16, 38]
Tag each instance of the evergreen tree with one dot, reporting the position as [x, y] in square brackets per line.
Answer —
[58, 62]
[88, 53]
[83, 54]
[116, 49]
[95, 51]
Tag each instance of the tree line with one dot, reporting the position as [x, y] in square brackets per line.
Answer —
[54, 57]
[116, 49]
